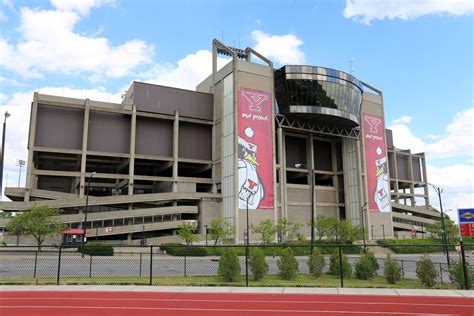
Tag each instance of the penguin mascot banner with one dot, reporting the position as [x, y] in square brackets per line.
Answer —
[376, 163]
[255, 149]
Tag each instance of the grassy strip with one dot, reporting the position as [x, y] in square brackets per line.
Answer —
[301, 280]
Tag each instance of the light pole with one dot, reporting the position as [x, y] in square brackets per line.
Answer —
[85, 212]
[363, 223]
[205, 227]
[313, 204]
[7, 115]
[20, 163]
[443, 227]
[247, 247]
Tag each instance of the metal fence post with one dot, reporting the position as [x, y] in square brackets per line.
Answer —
[140, 264]
[59, 265]
[403, 270]
[464, 267]
[90, 267]
[341, 270]
[440, 273]
[184, 265]
[36, 262]
[151, 265]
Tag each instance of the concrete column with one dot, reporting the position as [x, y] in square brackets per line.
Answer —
[425, 181]
[175, 150]
[395, 175]
[30, 177]
[85, 135]
[412, 184]
[281, 171]
[131, 165]
[335, 179]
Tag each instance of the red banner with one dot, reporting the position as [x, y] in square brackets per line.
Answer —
[376, 161]
[255, 139]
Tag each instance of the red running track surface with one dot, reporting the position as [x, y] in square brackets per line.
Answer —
[227, 304]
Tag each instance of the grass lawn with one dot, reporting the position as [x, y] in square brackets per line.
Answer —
[268, 281]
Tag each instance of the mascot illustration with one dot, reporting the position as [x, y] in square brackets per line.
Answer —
[250, 185]
[382, 190]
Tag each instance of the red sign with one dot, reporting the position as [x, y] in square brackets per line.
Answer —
[467, 229]
[255, 143]
[376, 163]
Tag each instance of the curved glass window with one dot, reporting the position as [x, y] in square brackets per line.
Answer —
[306, 89]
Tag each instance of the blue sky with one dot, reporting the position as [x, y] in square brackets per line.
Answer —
[418, 52]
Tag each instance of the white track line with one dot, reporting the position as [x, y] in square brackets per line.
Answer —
[214, 310]
[233, 301]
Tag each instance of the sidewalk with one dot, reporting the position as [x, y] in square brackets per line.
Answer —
[225, 289]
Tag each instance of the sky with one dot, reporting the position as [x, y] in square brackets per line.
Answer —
[418, 52]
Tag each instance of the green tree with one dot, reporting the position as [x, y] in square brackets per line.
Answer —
[220, 229]
[324, 227]
[287, 230]
[229, 265]
[347, 232]
[392, 270]
[266, 229]
[257, 263]
[316, 263]
[287, 265]
[5, 214]
[426, 271]
[437, 228]
[187, 231]
[39, 222]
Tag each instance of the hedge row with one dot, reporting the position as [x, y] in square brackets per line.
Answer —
[427, 245]
[183, 250]
[97, 249]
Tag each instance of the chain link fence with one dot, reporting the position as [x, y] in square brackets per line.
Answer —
[331, 265]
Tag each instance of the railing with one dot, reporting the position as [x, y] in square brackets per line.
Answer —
[340, 266]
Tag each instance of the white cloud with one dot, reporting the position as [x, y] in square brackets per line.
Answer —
[403, 138]
[48, 44]
[402, 120]
[19, 106]
[457, 182]
[80, 6]
[365, 11]
[458, 140]
[282, 49]
[187, 73]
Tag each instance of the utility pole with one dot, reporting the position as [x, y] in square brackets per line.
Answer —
[7, 115]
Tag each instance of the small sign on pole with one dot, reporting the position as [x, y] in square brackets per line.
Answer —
[466, 221]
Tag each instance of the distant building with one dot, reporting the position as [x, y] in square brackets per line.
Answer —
[250, 136]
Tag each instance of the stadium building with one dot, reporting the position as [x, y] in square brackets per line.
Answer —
[285, 143]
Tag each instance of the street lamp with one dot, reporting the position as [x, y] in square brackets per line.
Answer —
[313, 205]
[7, 115]
[85, 212]
[443, 227]
[247, 245]
[20, 163]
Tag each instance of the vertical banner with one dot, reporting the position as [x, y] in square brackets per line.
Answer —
[376, 160]
[255, 149]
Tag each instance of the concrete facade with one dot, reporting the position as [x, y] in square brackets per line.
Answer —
[167, 155]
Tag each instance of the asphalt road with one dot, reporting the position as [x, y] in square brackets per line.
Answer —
[17, 265]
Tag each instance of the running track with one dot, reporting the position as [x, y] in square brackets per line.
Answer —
[227, 304]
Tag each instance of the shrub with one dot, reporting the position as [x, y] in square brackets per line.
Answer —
[287, 265]
[182, 250]
[392, 270]
[257, 263]
[426, 272]
[373, 261]
[456, 274]
[229, 266]
[364, 269]
[97, 249]
[316, 263]
[334, 265]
